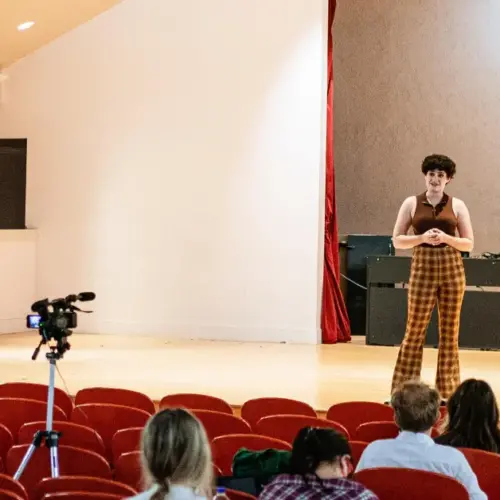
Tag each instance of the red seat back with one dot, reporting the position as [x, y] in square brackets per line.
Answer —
[128, 470]
[372, 431]
[9, 495]
[486, 465]
[225, 447]
[81, 483]
[81, 495]
[286, 427]
[357, 449]
[72, 461]
[79, 436]
[352, 414]
[6, 441]
[218, 424]
[255, 409]
[15, 412]
[196, 402]
[122, 397]
[107, 419]
[126, 440]
[10, 484]
[38, 392]
[411, 484]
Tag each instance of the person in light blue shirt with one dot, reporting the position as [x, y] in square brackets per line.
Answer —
[416, 410]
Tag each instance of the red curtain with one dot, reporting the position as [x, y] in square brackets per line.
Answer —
[334, 320]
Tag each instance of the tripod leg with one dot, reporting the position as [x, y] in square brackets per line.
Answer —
[27, 457]
[52, 439]
[52, 442]
[50, 395]
[54, 462]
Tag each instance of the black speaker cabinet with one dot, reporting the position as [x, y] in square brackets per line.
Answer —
[359, 247]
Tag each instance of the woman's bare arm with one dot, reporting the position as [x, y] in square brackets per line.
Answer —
[465, 241]
[400, 238]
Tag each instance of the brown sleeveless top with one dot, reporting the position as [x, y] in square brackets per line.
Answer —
[428, 217]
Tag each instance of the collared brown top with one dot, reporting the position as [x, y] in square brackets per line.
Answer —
[428, 217]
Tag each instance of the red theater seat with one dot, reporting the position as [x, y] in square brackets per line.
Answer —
[286, 427]
[126, 440]
[81, 483]
[38, 392]
[218, 424]
[411, 484]
[15, 412]
[196, 402]
[225, 447]
[72, 461]
[354, 413]
[7, 483]
[122, 397]
[255, 409]
[79, 436]
[128, 470]
[107, 419]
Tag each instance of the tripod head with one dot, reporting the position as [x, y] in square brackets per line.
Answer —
[55, 353]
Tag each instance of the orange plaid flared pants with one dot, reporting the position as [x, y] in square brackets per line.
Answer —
[437, 276]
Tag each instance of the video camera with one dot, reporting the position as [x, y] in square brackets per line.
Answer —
[55, 318]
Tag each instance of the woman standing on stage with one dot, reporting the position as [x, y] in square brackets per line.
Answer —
[437, 273]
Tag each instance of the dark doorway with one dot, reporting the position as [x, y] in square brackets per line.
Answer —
[13, 183]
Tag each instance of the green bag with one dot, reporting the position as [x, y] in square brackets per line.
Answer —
[261, 465]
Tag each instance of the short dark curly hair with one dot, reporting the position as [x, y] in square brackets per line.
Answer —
[439, 162]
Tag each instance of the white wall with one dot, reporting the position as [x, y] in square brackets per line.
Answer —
[18, 278]
[176, 164]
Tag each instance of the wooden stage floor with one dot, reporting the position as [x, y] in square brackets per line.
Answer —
[235, 371]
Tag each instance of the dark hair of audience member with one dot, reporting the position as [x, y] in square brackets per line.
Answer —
[314, 447]
[472, 418]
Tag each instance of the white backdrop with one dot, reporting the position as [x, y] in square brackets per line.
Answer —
[176, 165]
[18, 276]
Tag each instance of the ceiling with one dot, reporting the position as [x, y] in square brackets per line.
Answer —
[52, 18]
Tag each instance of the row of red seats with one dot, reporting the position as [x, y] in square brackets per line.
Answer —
[350, 415]
[128, 439]
[221, 422]
[107, 419]
[128, 469]
[51, 486]
[76, 488]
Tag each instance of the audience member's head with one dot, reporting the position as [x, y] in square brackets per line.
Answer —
[323, 452]
[416, 407]
[175, 451]
[473, 417]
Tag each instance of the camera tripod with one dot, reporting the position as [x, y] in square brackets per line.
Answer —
[48, 436]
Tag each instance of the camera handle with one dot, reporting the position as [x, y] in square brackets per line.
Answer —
[37, 350]
[49, 437]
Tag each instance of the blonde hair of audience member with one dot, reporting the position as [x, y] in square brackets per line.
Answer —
[416, 407]
[176, 451]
